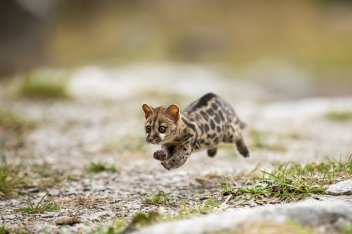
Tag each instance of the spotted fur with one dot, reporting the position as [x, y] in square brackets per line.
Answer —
[201, 126]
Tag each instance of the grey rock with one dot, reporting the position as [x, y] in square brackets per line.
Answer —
[47, 215]
[341, 223]
[54, 192]
[15, 202]
[65, 213]
[253, 204]
[96, 216]
[312, 214]
[341, 188]
[33, 190]
[9, 216]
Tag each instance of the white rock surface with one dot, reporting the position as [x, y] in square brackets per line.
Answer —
[341, 188]
[312, 214]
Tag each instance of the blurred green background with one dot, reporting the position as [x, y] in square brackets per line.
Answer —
[315, 35]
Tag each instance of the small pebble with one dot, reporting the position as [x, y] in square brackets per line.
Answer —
[65, 220]
[9, 216]
[253, 204]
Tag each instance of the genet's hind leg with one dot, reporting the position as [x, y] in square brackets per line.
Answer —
[212, 152]
[241, 147]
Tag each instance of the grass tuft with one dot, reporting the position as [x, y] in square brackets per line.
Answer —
[339, 115]
[40, 207]
[12, 129]
[289, 182]
[117, 227]
[226, 186]
[100, 167]
[40, 87]
[4, 230]
[10, 179]
[159, 199]
[121, 227]
[206, 207]
[346, 229]
[142, 219]
[294, 135]
[12, 122]
[44, 176]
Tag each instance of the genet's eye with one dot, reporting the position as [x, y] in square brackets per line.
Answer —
[162, 129]
[148, 128]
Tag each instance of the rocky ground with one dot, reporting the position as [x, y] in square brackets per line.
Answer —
[103, 124]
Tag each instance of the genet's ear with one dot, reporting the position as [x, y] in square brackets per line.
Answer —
[147, 110]
[173, 112]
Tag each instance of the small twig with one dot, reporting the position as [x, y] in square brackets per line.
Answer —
[224, 203]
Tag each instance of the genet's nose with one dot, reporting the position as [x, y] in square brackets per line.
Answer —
[150, 138]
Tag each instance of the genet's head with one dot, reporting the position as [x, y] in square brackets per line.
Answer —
[161, 123]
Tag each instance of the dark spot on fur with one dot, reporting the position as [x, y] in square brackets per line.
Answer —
[221, 116]
[185, 149]
[192, 126]
[178, 139]
[203, 101]
[212, 124]
[210, 112]
[216, 140]
[202, 141]
[217, 118]
[186, 137]
[218, 129]
[206, 128]
[211, 136]
[205, 116]
[207, 143]
[202, 128]
[185, 131]
[215, 107]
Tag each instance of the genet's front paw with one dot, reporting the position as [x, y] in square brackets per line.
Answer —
[166, 165]
[160, 155]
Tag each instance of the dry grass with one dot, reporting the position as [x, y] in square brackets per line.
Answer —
[339, 115]
[36, 86]
[9, 121]
[288, 182]
[11, 178]
[13, 128]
